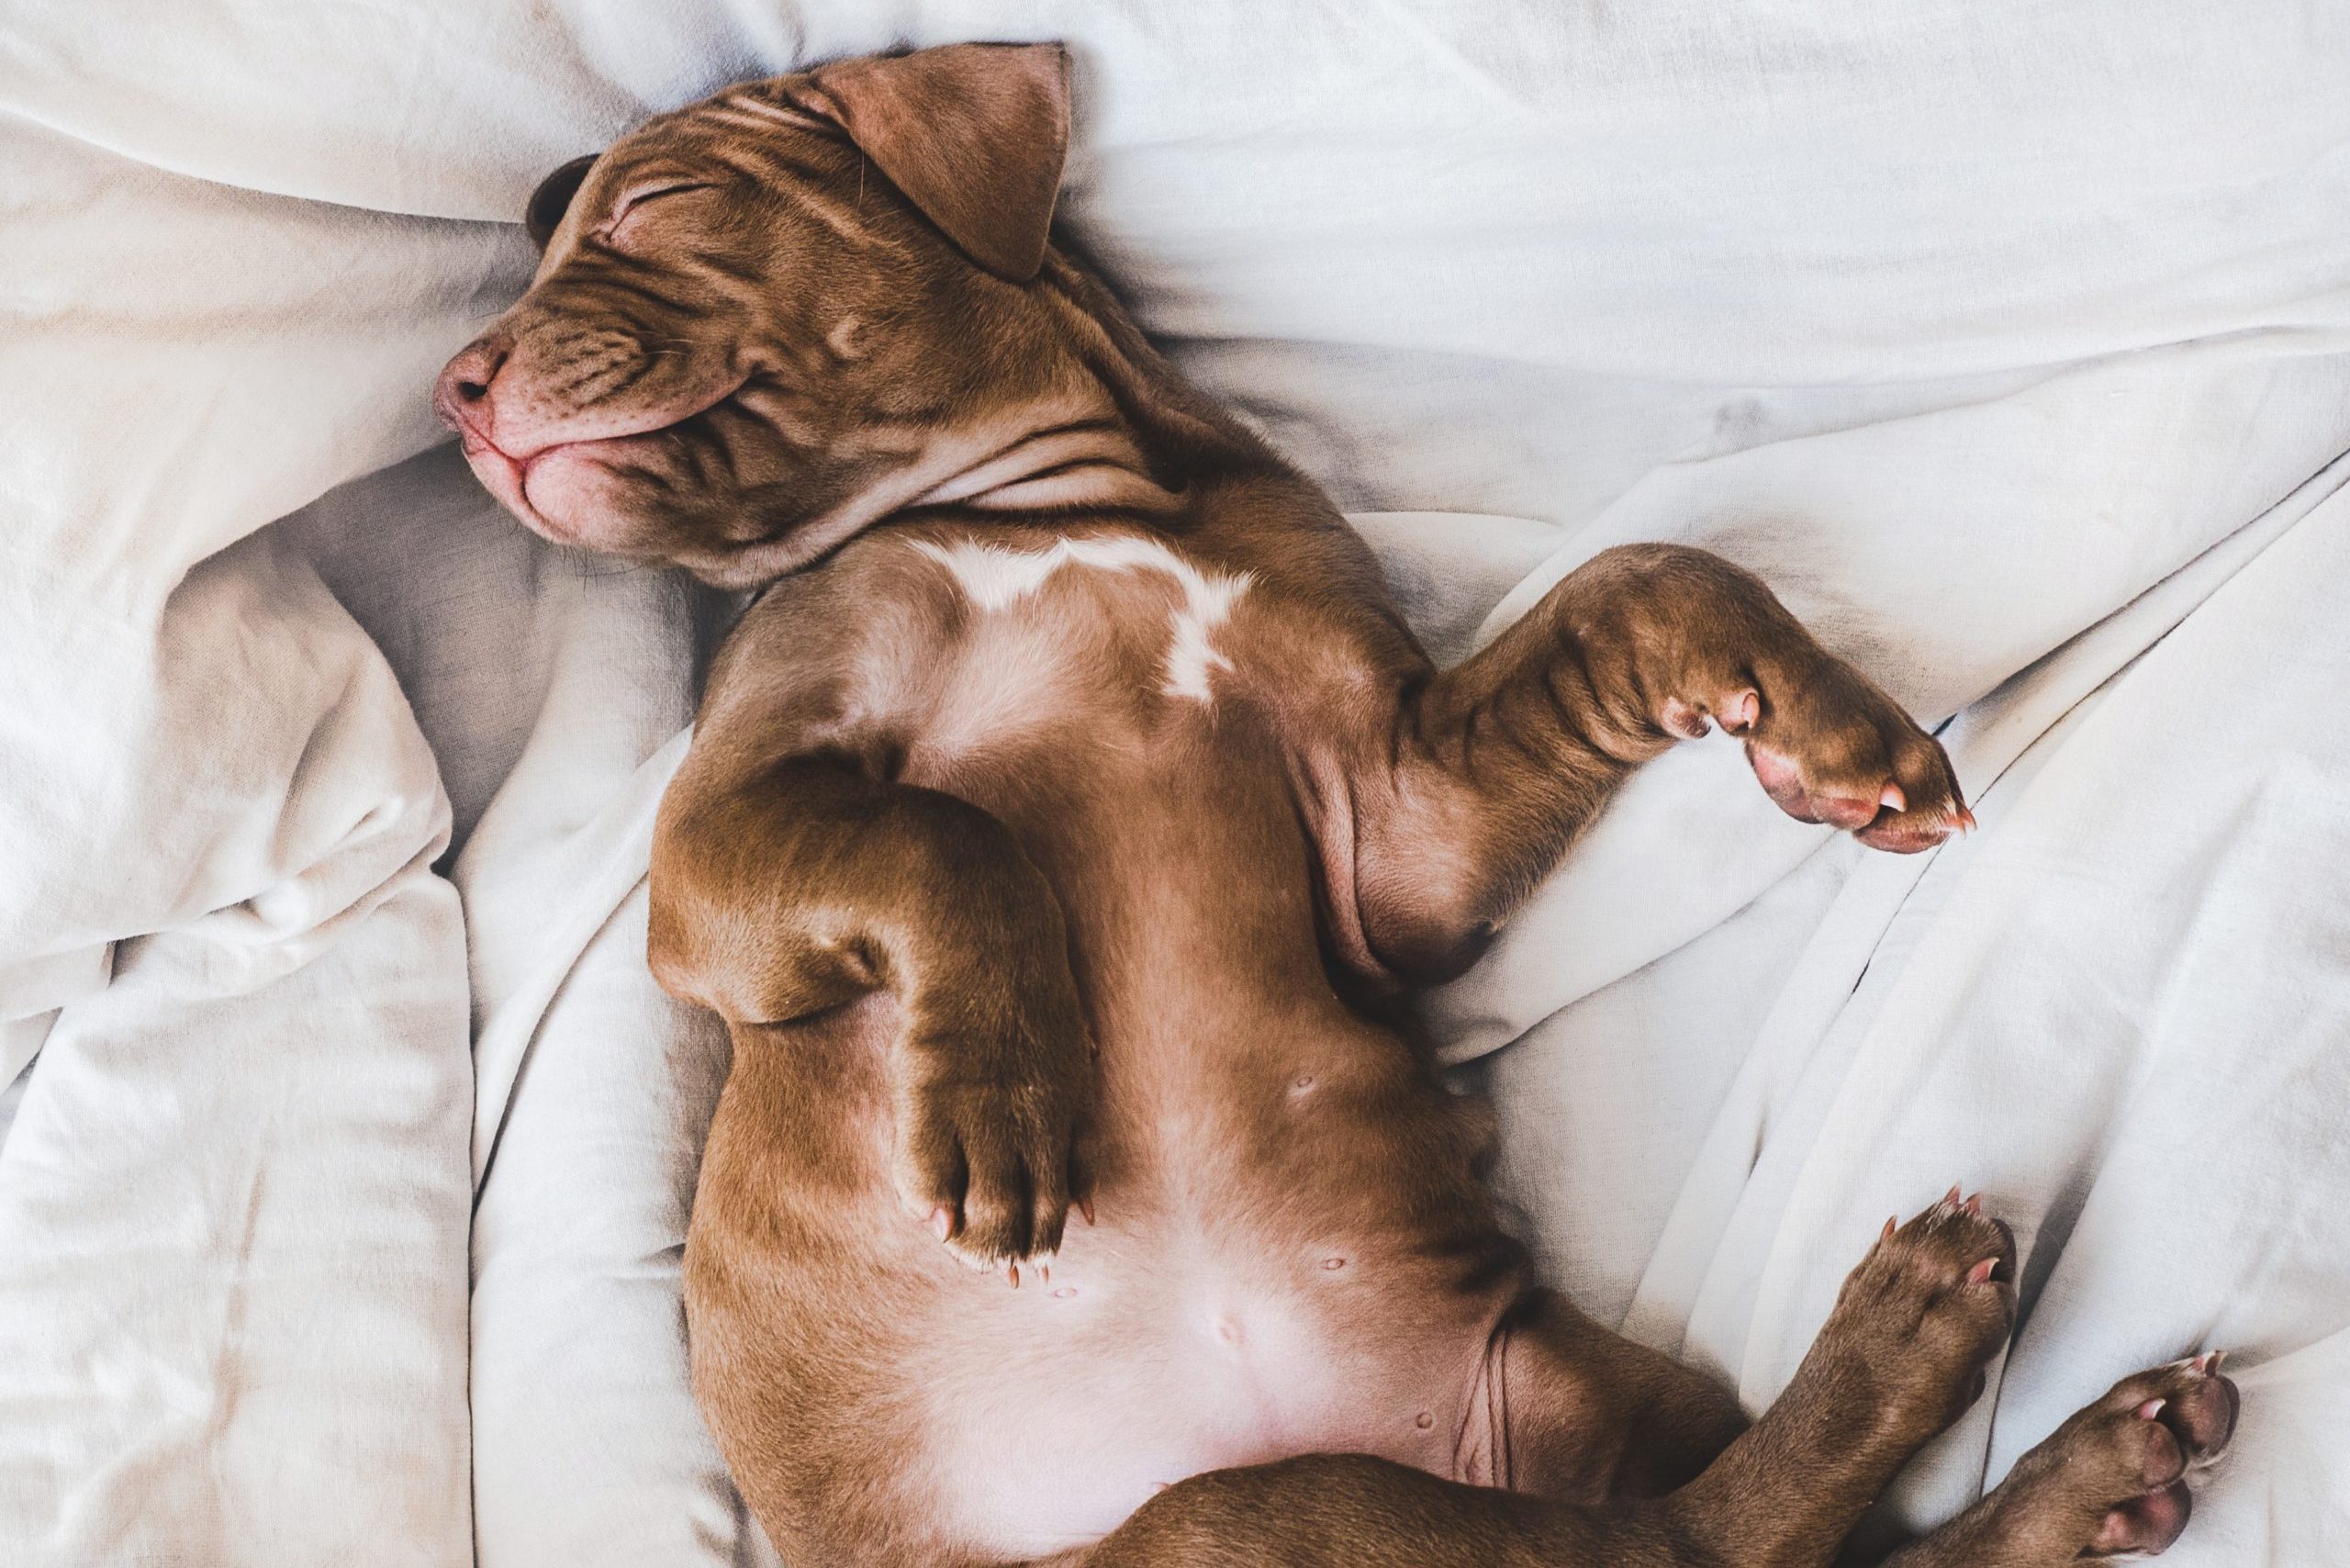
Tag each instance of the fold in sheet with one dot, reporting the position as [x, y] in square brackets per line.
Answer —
[1966, 334]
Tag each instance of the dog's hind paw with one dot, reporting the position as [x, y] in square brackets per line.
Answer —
[2111, 1482]
[1924, 1314]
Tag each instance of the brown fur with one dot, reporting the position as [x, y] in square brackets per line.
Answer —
[1055, 846]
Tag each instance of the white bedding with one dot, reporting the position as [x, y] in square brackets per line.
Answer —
[2012, 342]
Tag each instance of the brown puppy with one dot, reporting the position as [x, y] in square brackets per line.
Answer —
[1056, 843]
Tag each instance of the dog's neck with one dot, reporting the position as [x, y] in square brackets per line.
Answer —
[1051, 455]
[1134, 437]
[1122, 432]
[1179, 429]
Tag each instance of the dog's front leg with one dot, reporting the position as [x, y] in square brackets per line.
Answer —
[792, 888]
[1493, 766]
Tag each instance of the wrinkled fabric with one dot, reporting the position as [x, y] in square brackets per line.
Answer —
[2008, 341]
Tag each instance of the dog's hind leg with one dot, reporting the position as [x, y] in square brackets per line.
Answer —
[1354, 1511]
[2110, 1480]
[1565, 1408]
[1899, 1358]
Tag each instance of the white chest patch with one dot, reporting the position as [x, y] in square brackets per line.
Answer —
[995, 578]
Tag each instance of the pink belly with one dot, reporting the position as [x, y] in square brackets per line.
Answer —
[1124, 1373]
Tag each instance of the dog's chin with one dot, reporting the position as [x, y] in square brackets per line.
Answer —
[569, 497]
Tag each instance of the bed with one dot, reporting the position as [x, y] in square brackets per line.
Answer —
[349, 1147]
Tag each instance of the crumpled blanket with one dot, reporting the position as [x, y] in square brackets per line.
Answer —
[2008, 343]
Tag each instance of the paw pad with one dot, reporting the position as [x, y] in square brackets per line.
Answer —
[2114, 1480]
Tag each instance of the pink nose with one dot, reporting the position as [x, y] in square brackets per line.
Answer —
[462, 395]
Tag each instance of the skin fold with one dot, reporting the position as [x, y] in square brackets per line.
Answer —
[1066, 820]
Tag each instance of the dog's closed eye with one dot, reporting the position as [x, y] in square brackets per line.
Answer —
[636, 200]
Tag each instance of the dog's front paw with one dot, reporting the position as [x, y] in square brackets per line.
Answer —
[1830, 747]
[991, 1136]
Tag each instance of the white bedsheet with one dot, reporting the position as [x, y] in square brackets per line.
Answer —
[2003, 338]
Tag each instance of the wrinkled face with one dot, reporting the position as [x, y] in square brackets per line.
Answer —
[742, 343]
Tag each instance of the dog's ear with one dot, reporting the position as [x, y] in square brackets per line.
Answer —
[545, 214]
[974, 134]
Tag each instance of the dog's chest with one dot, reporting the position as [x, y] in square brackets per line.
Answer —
[1055, 629]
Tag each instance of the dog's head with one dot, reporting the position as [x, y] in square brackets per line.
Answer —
[762, 320]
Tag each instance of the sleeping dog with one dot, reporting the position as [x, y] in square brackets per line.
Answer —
[1063, 823]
